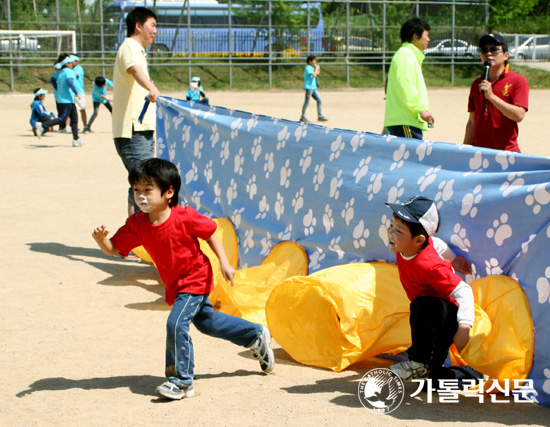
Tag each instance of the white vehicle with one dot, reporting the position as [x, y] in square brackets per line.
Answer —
[19, 43]
[449, 47]
[535, 47]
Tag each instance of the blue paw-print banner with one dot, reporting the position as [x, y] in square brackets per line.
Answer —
[326, 189]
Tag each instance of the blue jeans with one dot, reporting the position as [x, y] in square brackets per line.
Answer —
[315, 95]
[140, 146]
[197, 309]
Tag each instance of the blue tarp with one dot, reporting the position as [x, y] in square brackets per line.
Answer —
[326, 189]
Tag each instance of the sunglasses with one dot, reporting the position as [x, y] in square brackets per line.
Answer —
[492, 49]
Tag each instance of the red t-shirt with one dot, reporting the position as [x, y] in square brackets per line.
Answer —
[174, 248]
[495, 130]
[427, 274]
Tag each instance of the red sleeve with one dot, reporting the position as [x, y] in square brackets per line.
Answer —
[521, 93]
[126, 238]
[443, 279]
[202, 226]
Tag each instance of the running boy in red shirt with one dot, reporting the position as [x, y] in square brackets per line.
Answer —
[442, 305]
[170, 235]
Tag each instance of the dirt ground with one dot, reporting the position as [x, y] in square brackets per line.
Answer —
[82, 334]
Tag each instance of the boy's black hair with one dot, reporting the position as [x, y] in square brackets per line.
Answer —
[36, 90]
[416, 229]
[310, 58]
[413, 27]
[99, 81]
[138, 15]
[61, 57]
[164, 173]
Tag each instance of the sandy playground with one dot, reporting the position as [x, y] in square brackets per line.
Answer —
[82, 334]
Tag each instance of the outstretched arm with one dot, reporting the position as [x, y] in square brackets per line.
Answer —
[100, 236]
[216, 245]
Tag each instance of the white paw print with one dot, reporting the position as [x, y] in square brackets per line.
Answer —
[285, 174]
[300, 132]
[319, 175]
[357, 141]
[546, 385]
[315, 259]
[269, 164]
[286, 234]
[239, 161]
[335, 184]
[224, 153]
[514, 182]
[214, 136]
[197, 148]
[428, 178]
[177, 121]
[336, 147]
[470, 200]
[208, 171]
[217, 193]
[525, 245]
[236, 217]
[231, 192]
[543, 287]
[396, 191]
[348, 212]
[252, 122]
[500, 231]
[267, 244]
[186, 135]
[505, 158]
[360, 235]
[196, 198]
[309, 222]
[298, 201]
[539, 197]
[445, 192]
[375, 185]
[424, 149]
[383, 229]
[459, 238]
[492, 267]
[256, 148]
[248, 240]
[251, 187]
[305, 161]
[328, 220]
[263, 208]
[477, 164]
[195, 116]
[192, 174]
[335, 247]
[235, 126]
[362, 169]
[161, 147]
[399, 157]
[282, 137]
[279, 206]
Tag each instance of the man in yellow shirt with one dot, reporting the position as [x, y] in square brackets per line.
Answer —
[134, 138]
[407, 107]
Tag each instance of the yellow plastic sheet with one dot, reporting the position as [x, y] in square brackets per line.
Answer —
[344, 314]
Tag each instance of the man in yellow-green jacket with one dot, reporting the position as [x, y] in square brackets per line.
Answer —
[407, 108]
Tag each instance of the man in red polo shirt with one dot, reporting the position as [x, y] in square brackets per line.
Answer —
[498, 104]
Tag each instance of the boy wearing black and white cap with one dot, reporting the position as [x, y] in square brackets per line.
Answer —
[442, 304]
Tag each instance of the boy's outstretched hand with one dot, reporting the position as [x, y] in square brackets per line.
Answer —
[461, 265]
[462, 337]
[228, 272]
[100, 236]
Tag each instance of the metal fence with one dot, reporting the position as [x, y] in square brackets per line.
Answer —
[353, 34]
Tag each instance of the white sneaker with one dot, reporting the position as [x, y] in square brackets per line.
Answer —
[39, 129]
[262, 351]
[66, 129]
[410, 370]
[78, 142]
[173, 392]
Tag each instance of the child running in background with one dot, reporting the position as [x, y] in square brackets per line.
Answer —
[39, 114]
[99, 96]
[196, 92]
[442, 304]
[170, 233]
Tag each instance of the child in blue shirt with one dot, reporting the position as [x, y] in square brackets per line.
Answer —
[99, 96]
[196, 91]
[311, 84]
[39, 114]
